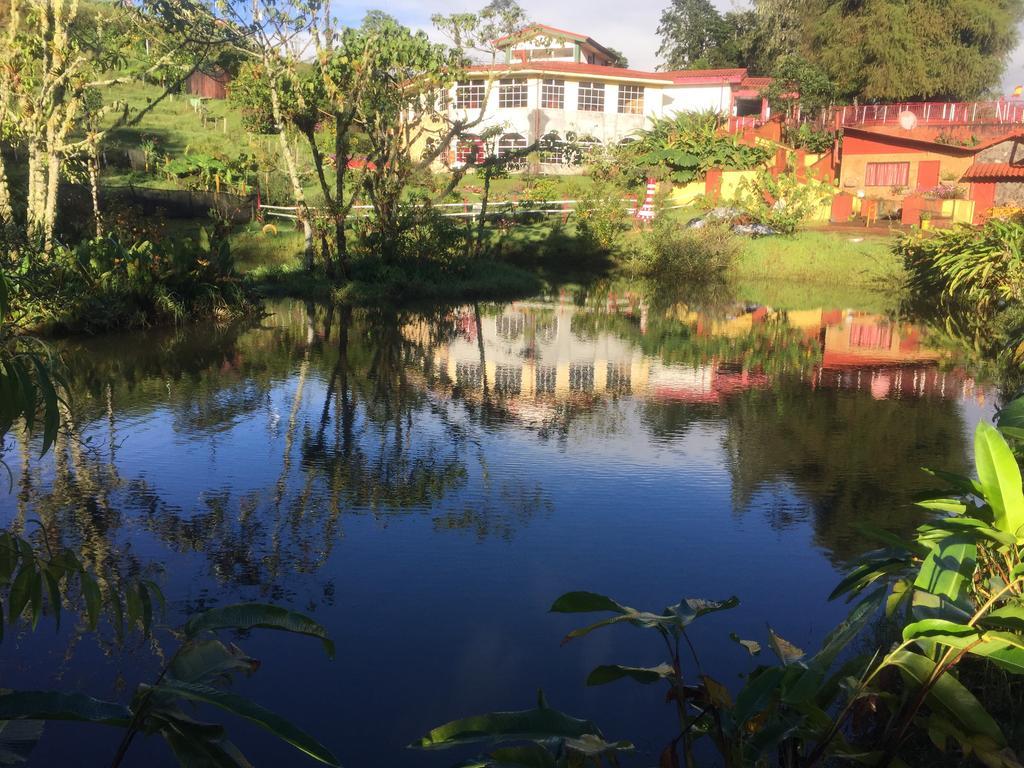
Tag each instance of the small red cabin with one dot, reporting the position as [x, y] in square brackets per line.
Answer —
[208, 85]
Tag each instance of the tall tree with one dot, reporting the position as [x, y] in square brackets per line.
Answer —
[914, 49]
[692, 34]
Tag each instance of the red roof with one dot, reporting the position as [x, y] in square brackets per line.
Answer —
[756, 82]
[994, 171]
[679, 77]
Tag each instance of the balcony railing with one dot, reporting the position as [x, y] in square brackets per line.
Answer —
[1000, 112]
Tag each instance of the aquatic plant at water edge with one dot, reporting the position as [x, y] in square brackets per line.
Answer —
[104, 283]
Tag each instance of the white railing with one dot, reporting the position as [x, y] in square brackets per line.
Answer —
[469, 209]
[931, 113]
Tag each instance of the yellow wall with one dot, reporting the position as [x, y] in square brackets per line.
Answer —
[687, 194]
[854, 168]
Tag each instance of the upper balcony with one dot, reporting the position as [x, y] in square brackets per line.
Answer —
[931, 113]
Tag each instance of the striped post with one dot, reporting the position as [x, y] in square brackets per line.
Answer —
[645, 214]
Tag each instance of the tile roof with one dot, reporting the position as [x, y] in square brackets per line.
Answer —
[994, 171]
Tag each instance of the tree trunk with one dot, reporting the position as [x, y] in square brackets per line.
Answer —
[94, 189]
[6, 212]
[293, 174]
[341, 148]
[35, 212]
[52, 188]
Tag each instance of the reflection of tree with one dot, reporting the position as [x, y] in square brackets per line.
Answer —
[855, 459]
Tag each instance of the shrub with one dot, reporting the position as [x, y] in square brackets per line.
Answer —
[671, 252]
[682, 148]
[104, 284]
[782, 203]
[601, 216]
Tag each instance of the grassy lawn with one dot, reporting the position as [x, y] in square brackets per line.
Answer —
[815, 268]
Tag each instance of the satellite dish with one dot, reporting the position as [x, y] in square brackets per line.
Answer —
[908, 120]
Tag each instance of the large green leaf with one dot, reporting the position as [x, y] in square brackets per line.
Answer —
[17, 740]
[840, 637]
[949, 696]
[948, 569]
[586, 602]
[1000, 478]
[540, 723]
[195, 744]
[692, 608]
[257, 615]
[243, 707]
[609, 673]
[52, 705]
[1006, 649]
[205, 661]
[1012, 415]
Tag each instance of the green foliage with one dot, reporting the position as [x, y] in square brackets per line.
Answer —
[31, 383]
[796, 81]
[683, 147]
[782, 203]
[878, 51]
[104, 283]
[695, 35]
[806, 136]
[669, 253]
[535, 738]
[199, 671]
[601, 217]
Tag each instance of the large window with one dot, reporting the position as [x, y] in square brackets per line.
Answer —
[887, 175]
[469, 94]
[509, 144]
[631, 99]
[552, 94]
[470, 149]
[512, 94]
[591, 97]
[553, 150]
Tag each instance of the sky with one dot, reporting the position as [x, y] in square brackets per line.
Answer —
[630, 27]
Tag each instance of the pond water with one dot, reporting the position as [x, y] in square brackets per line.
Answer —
[426, 484]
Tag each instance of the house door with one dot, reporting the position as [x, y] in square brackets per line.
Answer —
[927, 174]
[984, 197]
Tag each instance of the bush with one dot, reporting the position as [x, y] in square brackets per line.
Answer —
[601, 217]
[782, 203]
[103, 284]
[671, 252]
[682, 148]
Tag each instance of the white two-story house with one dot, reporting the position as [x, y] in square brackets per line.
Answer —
[560, 85]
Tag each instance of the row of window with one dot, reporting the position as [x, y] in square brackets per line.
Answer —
[512, 94]
[508, 380]
[555, 151]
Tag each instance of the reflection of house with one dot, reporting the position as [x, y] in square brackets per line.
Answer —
[559, 84]
[534, 357]
[533, 352]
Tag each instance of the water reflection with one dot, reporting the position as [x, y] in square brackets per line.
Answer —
[390, 462]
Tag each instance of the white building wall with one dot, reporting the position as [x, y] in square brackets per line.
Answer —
[608, 127]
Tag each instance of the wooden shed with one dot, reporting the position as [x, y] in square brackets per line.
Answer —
[212, 84]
